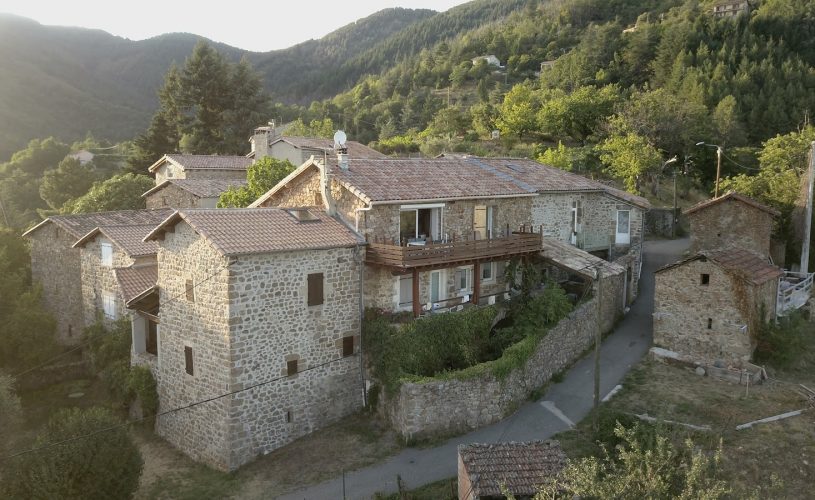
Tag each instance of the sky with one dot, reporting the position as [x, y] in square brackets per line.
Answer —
[255, 25]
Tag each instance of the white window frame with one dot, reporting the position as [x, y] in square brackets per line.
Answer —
[491, 267]
[468, 278]
[106, 253]
[402, 303]
[434, 221]
[109, 305]
[442, 286]
[488, 229]
[622, 238]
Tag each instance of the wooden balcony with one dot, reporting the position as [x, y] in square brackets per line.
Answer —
[461, 252]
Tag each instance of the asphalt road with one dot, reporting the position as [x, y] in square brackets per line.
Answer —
[563, 404]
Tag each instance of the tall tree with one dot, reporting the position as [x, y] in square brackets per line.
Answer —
[120, 192]
[629, 158]
[262, 176]
[69, 180]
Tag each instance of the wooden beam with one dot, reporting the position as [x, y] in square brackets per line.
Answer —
[417, 306]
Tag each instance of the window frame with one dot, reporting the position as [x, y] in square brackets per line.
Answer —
[106, 253]
[109, 305]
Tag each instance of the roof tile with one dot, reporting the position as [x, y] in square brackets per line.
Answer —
[134, 281]
[78, 225]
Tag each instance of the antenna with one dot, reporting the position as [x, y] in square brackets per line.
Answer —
[339, 139]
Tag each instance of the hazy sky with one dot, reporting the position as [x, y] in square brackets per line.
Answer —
[251, 25]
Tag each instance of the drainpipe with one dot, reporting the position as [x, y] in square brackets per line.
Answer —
[325, 187]
[361, 262]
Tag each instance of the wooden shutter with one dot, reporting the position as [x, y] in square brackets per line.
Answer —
[291, 367]
[188, 360]
[315, 289]
[190, 290]
[152, 338]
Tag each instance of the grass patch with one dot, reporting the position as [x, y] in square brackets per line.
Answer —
[446, 489]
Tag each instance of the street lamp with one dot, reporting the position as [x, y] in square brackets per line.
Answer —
[719, 152]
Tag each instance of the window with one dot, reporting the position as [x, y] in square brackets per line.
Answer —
[189, 287]
[318, 199]
[420, 223]
[406, 291]
[464, 279]
[315, 289]
[488, 271]
[291, 367]
[188, 360]
[288, 416]
[623, 233]
[347, 346]
[151, 340]
[704, 279]
[710, 323]
[482, 222]
[109, 305]
[107, 254]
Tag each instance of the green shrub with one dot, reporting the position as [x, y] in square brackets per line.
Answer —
[781, 344]
[100, 465]
[10, 409]
[142, 385]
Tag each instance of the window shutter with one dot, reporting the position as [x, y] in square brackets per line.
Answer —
[190, 290]
[315, 289]
[291, 367]
[347, 346]
[188, 360]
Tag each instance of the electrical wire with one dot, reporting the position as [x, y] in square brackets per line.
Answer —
[166, 412]
[739, 164]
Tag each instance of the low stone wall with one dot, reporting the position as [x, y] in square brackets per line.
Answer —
[442, 407]
[50, 375]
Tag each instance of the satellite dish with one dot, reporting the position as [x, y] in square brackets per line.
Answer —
[340, 138]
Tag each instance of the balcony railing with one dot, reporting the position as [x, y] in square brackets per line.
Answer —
[794, 290]
[593, 240]
[420, 254]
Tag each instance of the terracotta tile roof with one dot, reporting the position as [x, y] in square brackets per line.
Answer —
[262, 230]
[201, 188]
[78, 225]
[520, 467]
[127, 238]
[732, 196]
[745, 264]
[204, 162]
[391, 180]
[136, 280]
[355, 149]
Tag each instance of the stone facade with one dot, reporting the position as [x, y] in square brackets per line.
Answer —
[175, 197]
[442, 407]
[57, 268]
[711, 321]
[171, 171]
[730, 222]
[99, 280]
[248, 318]
[660, 222]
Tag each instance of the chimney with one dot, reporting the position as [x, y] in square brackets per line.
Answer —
[261, 139]
[342, 158]
[325, 186]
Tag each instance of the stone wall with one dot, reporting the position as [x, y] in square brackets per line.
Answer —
[271, 323]
[731, 222]
[172, 196]
[97, 280]
[443, 407]
[208, 173]
[706, 322]
[58, 269]
[284, 151]
[202, 432]
[660, 222]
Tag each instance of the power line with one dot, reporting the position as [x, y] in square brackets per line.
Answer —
[90, 341]
[167, 412]
[739, 164]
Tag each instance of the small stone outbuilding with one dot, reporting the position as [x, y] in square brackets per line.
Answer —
[182, 166]
[731, 220]
[711, 305]
[485, 471]
[260, 309]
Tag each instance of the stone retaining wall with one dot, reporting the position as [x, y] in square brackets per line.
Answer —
[660, 222]
[443, 407]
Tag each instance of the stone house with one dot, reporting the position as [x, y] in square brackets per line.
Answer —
[440, 231]
[710, 306]
[298, 150]
[490, 59]
[260, 309]
[488, 471]
[57, 266]
[183, 166]
[731, 8]
[106, 249]
[731, 220]
[189, 193]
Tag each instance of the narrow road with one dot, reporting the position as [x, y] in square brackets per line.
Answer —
[563, 404]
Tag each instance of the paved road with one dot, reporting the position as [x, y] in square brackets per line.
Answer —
[569, 401]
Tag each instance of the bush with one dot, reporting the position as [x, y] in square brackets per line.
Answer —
[781, 344]
[97, 465]
[143, 385]
[10, 409]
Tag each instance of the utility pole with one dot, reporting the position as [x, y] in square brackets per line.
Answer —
[718, 170]
[808, 214]
[675, 218]
[597, 339]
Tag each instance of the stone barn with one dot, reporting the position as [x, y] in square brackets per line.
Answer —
[731, 220]
[260, 309]
[710, 306]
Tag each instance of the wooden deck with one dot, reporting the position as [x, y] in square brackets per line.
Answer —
[434, 255]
